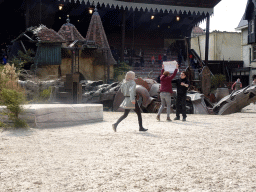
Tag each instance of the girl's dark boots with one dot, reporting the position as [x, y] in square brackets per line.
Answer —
[142, 129]
[114, 127]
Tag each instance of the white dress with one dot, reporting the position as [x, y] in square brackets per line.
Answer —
[128, 89]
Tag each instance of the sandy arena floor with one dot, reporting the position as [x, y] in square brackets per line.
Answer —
[206, 153]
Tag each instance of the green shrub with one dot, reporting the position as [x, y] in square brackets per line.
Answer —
[120, 70]
[2, 124]
[45, 94]
[11, 95]
[41, 96]
[13, 100]
[218, 80]
[23, 59]
[20, 123]
[1, 67]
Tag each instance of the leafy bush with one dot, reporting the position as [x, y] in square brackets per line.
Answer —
[120, 70]
[45, 94]
[20, 123]
[218, 80]
[23, 59]
[2, 124]
[1, 67]
[11, 95]
[13, 100]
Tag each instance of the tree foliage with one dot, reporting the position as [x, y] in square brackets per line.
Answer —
[23, 59]
[218, 80]
[120, 70]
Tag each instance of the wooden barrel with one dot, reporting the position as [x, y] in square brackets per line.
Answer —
[221, 93]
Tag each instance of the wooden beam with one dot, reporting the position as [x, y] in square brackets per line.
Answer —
[23, 46]
[207, 39]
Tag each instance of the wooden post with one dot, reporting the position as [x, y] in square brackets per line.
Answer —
[207, 38]
[123, 35]
[187, 50]
[108, 68]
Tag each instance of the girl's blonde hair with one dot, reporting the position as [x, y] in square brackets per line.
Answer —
[130, 75]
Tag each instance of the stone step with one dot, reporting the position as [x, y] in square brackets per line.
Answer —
[64, 97]
[64, 94]
[62, 89]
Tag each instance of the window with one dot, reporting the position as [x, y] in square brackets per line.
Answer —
[254, 52]
[251, 26]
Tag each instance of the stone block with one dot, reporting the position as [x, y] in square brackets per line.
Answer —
[60, 115]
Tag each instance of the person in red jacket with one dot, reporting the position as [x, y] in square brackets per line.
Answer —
[166, 91]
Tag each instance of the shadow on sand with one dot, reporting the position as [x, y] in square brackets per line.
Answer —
[146, 134]
[17, 132]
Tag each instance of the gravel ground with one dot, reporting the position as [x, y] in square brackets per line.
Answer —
[206, 153]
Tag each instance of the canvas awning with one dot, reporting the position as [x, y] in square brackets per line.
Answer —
[188, 6]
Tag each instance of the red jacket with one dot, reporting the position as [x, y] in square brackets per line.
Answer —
[166, 81]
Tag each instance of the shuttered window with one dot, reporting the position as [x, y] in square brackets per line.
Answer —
[254, 53]
[48, 54]
[251, 26]
[251, 30]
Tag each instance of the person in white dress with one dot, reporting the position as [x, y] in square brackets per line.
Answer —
[128, 88]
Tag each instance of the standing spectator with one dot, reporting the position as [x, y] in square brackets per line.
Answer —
[153, 60]
[191, 60]
[141, 61]
[166, 91]
[182, 87]
[165, 57]
[125, 52]
[254, 80]
[128, 88]
[160, 59]
[4, 60]
[237, 85]
[158, 79]
[140, 53]
[195, 63]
